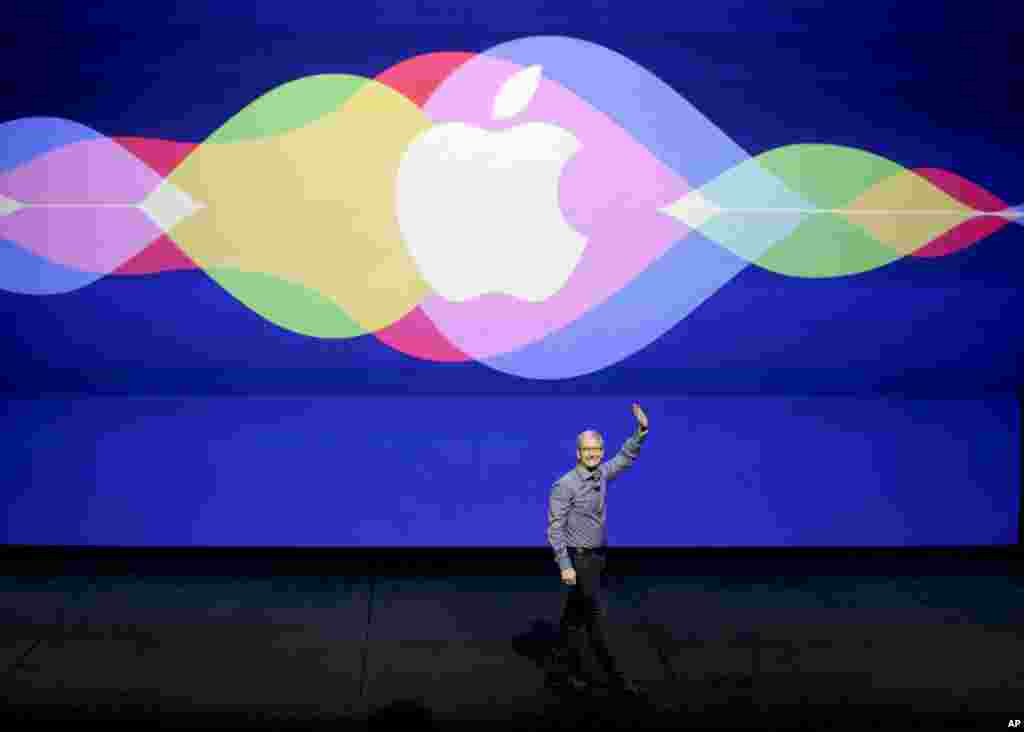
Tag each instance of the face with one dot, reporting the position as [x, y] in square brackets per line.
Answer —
[590, 452]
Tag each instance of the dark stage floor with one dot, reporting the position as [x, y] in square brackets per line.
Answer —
[430, 641]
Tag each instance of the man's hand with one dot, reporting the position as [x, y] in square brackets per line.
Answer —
[569, 576]
[640, 416]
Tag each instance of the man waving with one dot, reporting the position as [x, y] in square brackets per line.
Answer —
[578, 535]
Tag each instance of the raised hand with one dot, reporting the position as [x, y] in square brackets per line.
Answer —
[641, 418]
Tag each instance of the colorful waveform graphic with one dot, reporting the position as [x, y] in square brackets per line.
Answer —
[547, 207]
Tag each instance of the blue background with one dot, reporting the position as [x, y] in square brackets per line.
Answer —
[877, 409]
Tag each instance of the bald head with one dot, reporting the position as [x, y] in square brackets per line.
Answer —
[589, 449]
[590, 437]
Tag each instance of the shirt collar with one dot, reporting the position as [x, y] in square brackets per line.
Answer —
[586, 474]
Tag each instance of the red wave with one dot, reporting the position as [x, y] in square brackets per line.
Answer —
[163, 156]
[418, 77]
[162, 254]
[971, 231]
[416, 335]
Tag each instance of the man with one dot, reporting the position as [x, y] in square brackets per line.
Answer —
[577, 533]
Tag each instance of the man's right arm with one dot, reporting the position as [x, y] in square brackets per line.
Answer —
[558, 516]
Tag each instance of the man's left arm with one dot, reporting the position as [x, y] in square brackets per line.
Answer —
[631, 449]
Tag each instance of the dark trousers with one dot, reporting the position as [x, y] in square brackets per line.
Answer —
[585, 610]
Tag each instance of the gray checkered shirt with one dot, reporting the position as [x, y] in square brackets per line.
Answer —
[576, 511]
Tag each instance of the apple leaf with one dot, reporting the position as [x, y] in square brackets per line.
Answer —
[516, 92]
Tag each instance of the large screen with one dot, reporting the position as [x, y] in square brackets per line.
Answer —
[359, 275]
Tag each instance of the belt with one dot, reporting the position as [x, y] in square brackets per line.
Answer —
[586, 550]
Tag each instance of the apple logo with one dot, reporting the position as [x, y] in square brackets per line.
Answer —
[478, 209]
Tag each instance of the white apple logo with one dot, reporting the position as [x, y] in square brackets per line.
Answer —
[479, 209]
